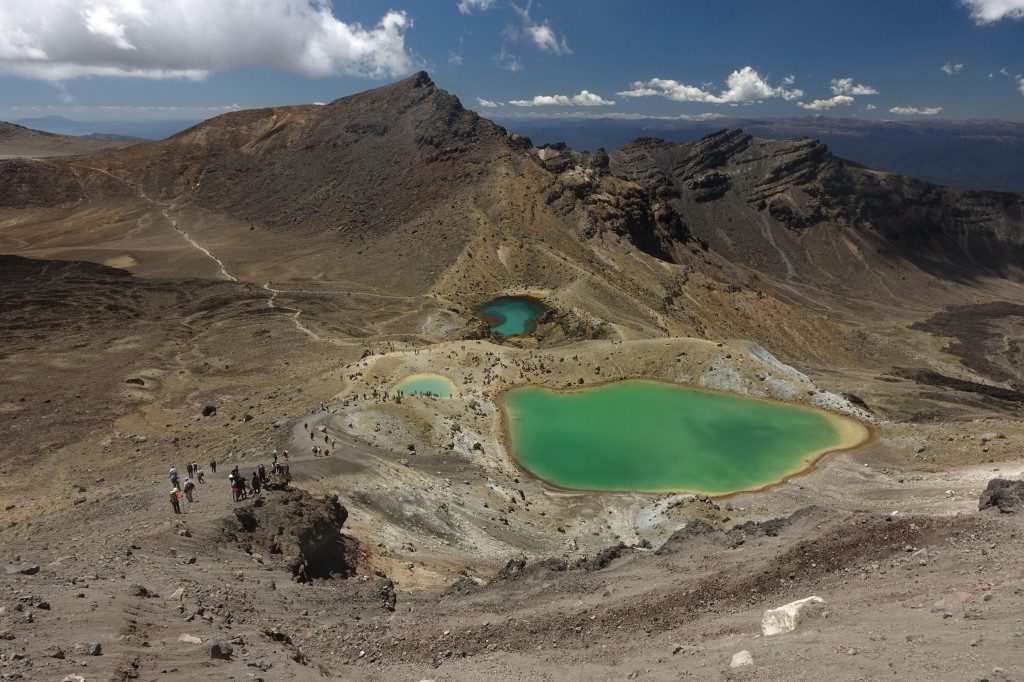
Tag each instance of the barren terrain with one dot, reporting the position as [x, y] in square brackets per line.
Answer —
[261, 281]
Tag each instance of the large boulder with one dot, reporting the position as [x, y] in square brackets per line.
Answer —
[220, 650]
[298, 530]
[741, 659]
[786, 618]
[1003, 494]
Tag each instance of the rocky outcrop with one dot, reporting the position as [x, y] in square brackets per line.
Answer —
[678, 540]
[786, 618]
[1003, 494]
[297, 531]
[792, 208]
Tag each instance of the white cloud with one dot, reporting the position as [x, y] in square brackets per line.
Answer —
[454, 58]
[121, 112]
[541, 35]
[870, 107]
[508, 61]
[1004, 71]
[744, 86]
[467, 6]
[824, 104]
[846, 86]
[918, 111]
[62, 39]
[584, 99]
[989, 11]
[951, 69]
[487, 104]
[606, 115]
[1020, 84]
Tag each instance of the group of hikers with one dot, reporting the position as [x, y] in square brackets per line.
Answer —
[320, 450]
[241, 487]
[187, 489]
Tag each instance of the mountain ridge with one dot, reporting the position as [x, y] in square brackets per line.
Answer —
[407, 162]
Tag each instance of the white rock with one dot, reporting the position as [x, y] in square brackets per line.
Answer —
[189, 639]
[785, 618]
[741, 659]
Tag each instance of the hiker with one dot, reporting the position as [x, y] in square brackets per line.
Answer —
[200, 476]
[188, 470]
[174, 501]
[213, 465]
[327, 453]
[275, 456]
[256, 482]
[173, 475]
[261, 473]
[242, 493]
[234, 487]
[284, 453]
[189, 487]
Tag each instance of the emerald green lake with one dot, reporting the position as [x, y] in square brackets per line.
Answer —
[426, 384]
[512, 315]
[650, 436]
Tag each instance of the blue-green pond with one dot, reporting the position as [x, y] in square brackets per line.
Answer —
[654, 436]
[512, 315]
[426, 384]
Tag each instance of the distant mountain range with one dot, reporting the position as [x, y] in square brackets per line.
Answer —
[19, 141]
[107, 130]
[967, 154]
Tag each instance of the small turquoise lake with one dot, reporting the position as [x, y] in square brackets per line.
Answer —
[512, 315]
[426, 384]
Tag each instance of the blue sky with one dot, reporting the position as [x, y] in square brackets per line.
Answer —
[135, 59]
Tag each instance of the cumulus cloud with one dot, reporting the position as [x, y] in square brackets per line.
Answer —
[120, 111]
[744, 86]
[584, 99]
[918, 111]
[989, 11]
[825, 104]
[870, 107]
[591, 114]
[61, 39]
[1020, 84]
[542, 35]
[951, 69]
[846, 86]
[467, 6]
[487, 104]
